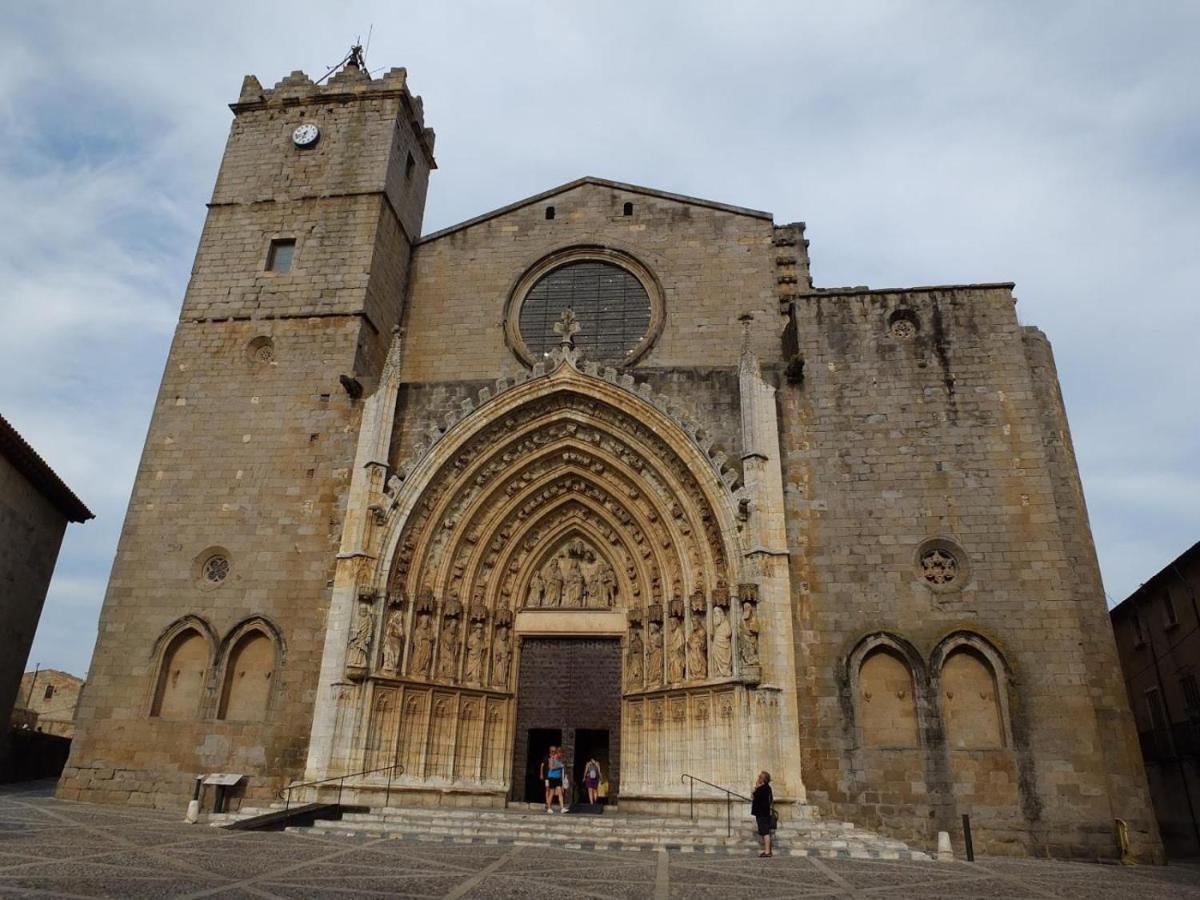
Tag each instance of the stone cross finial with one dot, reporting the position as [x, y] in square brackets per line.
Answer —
[567, 326]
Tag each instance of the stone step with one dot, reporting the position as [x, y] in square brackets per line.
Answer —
[598, 826]
[529, 825]
[607, 818]
[742, 846]
[556, 829]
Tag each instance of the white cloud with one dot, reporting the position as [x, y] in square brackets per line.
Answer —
[1054, 145]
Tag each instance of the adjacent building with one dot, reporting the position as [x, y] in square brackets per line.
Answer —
[1158, 639]
[35, 507]
[600, 468]
[46, 702]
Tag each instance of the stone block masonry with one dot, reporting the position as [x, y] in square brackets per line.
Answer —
[835, 534]
[931, 419]
[237, 509]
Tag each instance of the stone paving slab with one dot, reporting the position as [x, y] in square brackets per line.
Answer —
[53, 848]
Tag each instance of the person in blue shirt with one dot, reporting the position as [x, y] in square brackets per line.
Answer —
[553, 776]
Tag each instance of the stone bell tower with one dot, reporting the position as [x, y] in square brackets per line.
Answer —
[211, 635]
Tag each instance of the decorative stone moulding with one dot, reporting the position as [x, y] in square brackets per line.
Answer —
[261, 351]
[426, 601]
[700, 436]
[942, 565]
[903, 325]
[720, 596]
[213, 568]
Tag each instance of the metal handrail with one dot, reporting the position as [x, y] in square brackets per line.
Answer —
[729, 795]
[341, 780]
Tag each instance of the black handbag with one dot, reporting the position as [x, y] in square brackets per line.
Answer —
[774, 819]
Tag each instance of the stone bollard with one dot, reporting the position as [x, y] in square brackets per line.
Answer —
[945, 853]
[193, 812]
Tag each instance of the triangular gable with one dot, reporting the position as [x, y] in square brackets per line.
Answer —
[599, 182]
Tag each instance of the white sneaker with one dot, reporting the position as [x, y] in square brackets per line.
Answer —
[549, 811]
[563, 809]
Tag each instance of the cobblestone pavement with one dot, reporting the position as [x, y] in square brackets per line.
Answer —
[52, 848]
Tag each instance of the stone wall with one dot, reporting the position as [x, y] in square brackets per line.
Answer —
[933, 509]
[51, 697]
[32, 523]
[1157, 629]
[712, 265]
[233, 526]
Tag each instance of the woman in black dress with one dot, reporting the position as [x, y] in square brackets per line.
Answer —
[761, 801]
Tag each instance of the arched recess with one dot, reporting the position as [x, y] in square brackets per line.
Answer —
[884, 673]
[972, 682]
[561, 455]
[250, 657]
[184, 656]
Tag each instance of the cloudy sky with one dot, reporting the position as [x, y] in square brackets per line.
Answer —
[1056, 145]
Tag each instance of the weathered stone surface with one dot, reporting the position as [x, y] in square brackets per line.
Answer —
[871, 493]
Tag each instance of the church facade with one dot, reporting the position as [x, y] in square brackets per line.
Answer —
[601, 469]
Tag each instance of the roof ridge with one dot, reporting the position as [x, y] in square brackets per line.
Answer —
[29, 463]
[599, 182]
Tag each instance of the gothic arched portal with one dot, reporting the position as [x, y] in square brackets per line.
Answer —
[569, 503]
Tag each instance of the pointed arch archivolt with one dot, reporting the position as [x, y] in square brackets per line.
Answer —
[565, 463]
[489, 450]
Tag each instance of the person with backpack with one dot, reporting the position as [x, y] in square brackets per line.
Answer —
[591, 780]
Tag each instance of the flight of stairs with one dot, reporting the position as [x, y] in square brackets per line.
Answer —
[805, 835]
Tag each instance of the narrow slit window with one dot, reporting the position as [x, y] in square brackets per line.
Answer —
[549, 213]
[49, 694]
[628, 210]
[1191, 694]
[281, 254]
[1169, 610]
[409, 165]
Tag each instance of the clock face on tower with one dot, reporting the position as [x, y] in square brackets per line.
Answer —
[306, 135]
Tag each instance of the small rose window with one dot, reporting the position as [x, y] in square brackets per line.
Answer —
[215, 569]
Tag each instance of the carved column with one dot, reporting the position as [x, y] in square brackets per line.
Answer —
[767, 566]
[331, 743]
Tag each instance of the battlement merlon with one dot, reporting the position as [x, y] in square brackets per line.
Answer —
[351, 82]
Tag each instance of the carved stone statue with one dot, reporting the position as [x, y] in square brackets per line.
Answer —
[722, 643]
[573, 585]
[475, 640]
[448, 652]
[501, 655]
[537, 590]
[633, 668]
[748, 636]
[422, 646]
[358, 651]
[393, 640]
[676, 650]
[697, 650]
[654, 659]
[606, 581]
[552, 575]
